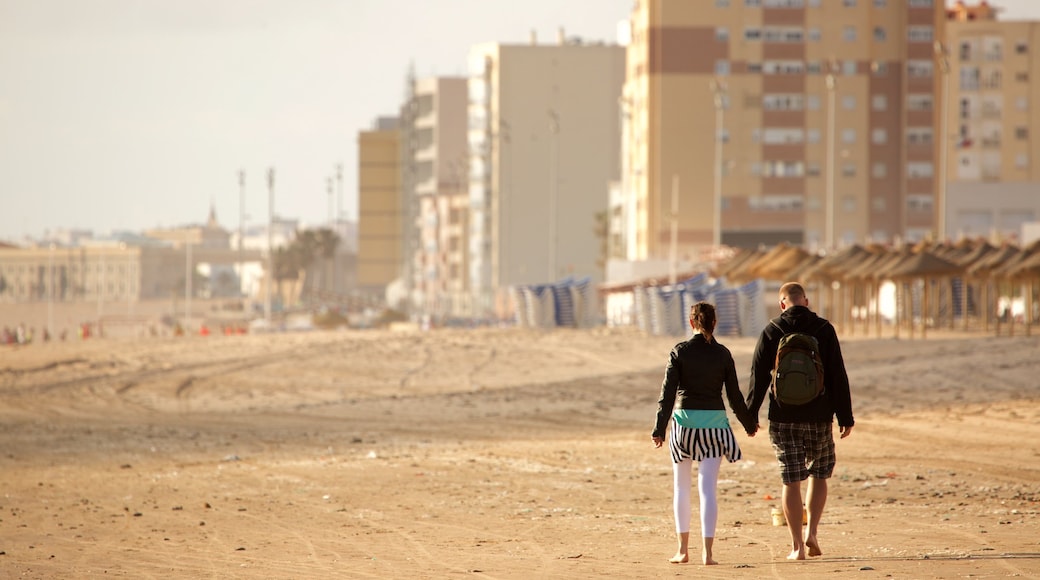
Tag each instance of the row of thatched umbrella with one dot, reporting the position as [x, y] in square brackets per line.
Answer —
[852, 279]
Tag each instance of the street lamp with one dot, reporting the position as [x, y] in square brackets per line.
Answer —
[718, 90]
[270, 246]
[50, 291]
[129, 305]
[944, 153]
[554, 130]
[831, 173]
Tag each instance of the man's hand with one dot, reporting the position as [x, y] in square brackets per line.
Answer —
[845, 431]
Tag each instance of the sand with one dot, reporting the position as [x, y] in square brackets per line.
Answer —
[494, 453]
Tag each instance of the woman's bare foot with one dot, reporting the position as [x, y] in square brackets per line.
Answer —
[708, 560]
[797, 554]
[680, 558]
[812, 547]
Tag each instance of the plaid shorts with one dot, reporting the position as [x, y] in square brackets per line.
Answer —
[803, 449]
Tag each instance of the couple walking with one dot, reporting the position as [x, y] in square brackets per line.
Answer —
[700, 370]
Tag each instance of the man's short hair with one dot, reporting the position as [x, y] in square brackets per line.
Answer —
[792, 290]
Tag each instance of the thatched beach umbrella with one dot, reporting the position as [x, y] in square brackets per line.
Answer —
[928, 268]
[983, 269]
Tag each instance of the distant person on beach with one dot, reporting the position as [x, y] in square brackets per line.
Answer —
[802, 435]
[691, 402]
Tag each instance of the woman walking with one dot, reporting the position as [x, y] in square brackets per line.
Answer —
[698, 371]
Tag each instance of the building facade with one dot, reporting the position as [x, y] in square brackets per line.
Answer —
[381, 218]
[434, 177]
[991, 150]
[544, 136]
[803, 121]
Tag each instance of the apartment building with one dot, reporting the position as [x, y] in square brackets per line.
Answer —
[544, 136]
[764, 121]
[381, 216]
[434, 191]
[992, 151]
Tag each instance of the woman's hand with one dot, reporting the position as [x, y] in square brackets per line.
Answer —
[658, 441]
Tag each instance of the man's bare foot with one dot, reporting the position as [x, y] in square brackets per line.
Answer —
[708, 560]
[797, 554]
[812, 547]
[680, 558]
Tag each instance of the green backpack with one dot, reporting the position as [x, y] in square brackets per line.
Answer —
[798, 372]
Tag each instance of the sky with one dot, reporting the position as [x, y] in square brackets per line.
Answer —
[133, 114]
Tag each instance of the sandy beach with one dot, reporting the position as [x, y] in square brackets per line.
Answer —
[491, 453]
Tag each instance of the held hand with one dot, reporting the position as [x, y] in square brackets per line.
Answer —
[845, 431]
[658, 441]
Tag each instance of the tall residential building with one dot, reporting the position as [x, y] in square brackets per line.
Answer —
[380, 212]
[434, 175]
[544, 136]
[992, 150]
[801, 121]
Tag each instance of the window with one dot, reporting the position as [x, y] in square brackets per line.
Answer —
[848, 68]
[814, 34]
[1021, 133]
[965, 51]
[919, 102]
[848, 102]
[878, 203]
[753, 3]
[783, 102]
[849, 33]
[879, 136]
[919, 68]
[813, 135]
[848, 170]
[812, 103]
[752, 34]
[849, 3]
[919, 33]
[1021, 47]
[879, 33]
[879, 102]
[919, 136]
[722, 67]
[879, 171]
[1022, 103]
[879, 3]
[879, 68]
[1022, 77]
[920, 3]
[1021, 161]
[782, 136]
[848, 135]
[919, 169]
[721, 34]
[722, 3]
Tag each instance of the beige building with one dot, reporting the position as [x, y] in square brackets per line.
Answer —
[381, 216]
[805, 121]
[544, 137]
[992, 149]
[434, 178]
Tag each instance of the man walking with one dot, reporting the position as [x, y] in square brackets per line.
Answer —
[801, 434]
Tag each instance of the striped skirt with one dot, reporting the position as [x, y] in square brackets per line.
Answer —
[700, 444]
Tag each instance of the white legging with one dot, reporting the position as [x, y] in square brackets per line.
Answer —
[707, 482]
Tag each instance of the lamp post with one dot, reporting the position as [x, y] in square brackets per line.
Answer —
[554, 131]
[944, 139]
[718, 90]
[270, 246]
[50, 291]
[188, 275]
[241, 226]
[129, 305]
[831, 170]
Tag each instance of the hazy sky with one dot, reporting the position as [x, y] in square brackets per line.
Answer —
[129, 114]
